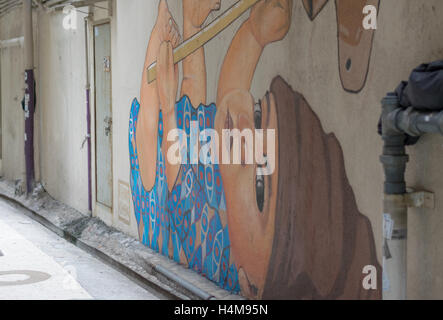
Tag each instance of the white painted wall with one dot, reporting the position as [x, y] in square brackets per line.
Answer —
[62, 103]
[12, 92]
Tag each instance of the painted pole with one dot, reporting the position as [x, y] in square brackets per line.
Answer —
[29, 94]
[88, 116]
[395, 211]
[395, 248]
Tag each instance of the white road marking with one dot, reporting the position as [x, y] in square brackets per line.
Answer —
[54, 257]
[22, 262]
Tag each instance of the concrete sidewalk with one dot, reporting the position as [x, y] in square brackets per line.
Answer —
[37, 264]
[124, 253]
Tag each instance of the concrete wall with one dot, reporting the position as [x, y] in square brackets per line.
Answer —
[128, 36]
[61, 75]
[307, 58]
[12, 91]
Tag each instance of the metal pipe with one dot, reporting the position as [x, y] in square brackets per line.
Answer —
[88, 116]
[185, 284]
[395, 248]
[394, 161]
[396, 123]
[29, 94]
[394, 157]
[415, 122]
[6, 7]
[77, 4]
[11, 42]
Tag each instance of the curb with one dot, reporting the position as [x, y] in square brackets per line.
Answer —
[131, 274]
[150, 275]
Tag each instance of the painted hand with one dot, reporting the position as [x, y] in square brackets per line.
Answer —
[166, 26]
[197, 11]
[270, 20]
[171, 33]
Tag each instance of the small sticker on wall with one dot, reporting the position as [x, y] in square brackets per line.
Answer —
[388, 226]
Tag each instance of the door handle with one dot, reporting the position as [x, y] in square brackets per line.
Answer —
[108, 127]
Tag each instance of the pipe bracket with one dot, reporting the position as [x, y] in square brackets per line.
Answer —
[420, 199]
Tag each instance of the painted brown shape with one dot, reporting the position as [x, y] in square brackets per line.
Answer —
[313, 7]
[322, 241]
[354, 43]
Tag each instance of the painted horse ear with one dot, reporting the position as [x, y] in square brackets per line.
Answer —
[354, 43]
[313, 7]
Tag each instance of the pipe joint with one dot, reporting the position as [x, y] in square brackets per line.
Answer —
[408, 121]
[411, 121]
[440, 122]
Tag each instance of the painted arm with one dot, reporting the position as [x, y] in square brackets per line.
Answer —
[194, 68]
[240, 62]
[165, 29]
[147, 123]
[268, 22]
[195, 12]
[167, 81]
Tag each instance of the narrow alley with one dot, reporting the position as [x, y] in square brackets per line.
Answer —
[35, 263]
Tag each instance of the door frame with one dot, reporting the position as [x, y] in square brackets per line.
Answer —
[1, 118]
[100, 207]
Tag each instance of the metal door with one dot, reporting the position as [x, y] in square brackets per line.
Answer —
[103, 114]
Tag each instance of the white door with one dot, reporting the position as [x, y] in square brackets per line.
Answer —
[103, 114]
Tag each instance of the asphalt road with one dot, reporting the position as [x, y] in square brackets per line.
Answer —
[37, 264]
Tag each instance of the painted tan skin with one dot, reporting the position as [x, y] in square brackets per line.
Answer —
[251, 231]
[162, 93]
[165, 29]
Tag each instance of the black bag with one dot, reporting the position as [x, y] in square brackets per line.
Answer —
[424, 90]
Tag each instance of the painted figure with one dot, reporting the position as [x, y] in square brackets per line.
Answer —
[298, 232]
[180, 209]
[354, 42]
[294, 234]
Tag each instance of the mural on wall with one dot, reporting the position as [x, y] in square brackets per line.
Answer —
[294, 234]
[354, 42]
[313, 7]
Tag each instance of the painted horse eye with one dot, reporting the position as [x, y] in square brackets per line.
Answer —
[257, 115]
[260, 191]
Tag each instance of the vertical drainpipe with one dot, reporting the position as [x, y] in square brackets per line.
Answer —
[88, 115]
[394, 161]
[29, 94]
